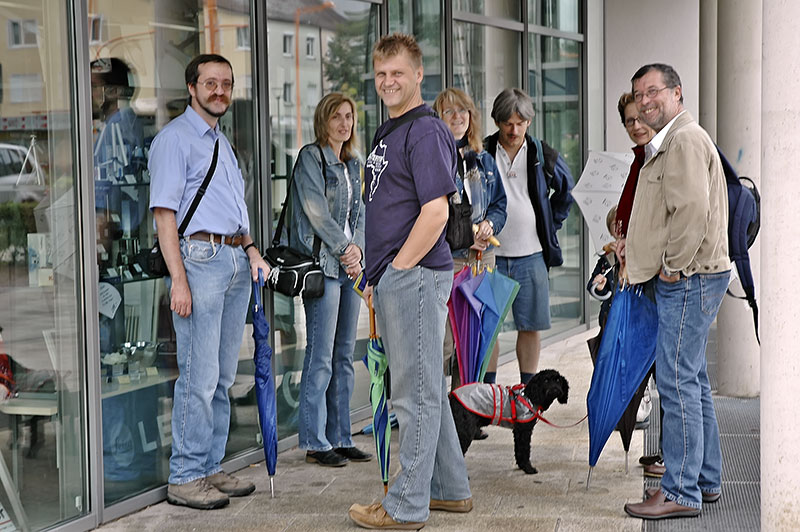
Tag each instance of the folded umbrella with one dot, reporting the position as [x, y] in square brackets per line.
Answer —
[377, 366]
[627, 351]
[504, 291]
[265, 386]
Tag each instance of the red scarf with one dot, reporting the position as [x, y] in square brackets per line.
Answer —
[626, 200]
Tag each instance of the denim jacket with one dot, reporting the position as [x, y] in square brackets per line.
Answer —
[320, 208]
[488, 203]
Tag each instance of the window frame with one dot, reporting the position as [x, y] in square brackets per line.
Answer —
[21, 24]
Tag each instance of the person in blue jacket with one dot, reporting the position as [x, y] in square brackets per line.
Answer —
[326, 204]
[479, 180]
[537, 182]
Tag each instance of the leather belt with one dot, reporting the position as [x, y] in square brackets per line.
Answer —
[235, 240]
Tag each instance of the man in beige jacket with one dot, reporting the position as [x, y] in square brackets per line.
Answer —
[677, 239]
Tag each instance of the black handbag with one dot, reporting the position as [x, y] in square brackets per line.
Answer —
[292, 272]
[155, 265]
[459, 220]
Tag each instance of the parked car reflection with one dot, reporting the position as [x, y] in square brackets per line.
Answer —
[21, 176]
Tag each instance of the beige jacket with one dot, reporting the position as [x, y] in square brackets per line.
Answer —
[680, 210]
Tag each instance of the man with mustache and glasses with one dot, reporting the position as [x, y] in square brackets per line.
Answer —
[210, 267]
[678, 240]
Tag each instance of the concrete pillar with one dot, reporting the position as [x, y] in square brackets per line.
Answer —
[739, 136]
[780, 264]
[707, 115]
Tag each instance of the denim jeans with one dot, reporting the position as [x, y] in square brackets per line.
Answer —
[328, 375]
[208, 351]
[690, 445]
[411, 308]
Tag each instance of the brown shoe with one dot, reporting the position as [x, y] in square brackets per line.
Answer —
[198, 494]
[656, 470]
[461, 506]
[375, 517]
[708, 496]
[230, 485]
[659, 507]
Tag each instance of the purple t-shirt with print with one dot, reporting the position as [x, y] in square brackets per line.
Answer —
[414, 164]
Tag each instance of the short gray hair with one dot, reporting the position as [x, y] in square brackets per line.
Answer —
[512, 101]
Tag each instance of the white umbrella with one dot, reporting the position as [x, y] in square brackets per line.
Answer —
[599, 189]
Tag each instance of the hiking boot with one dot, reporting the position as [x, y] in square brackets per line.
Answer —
[230, 485]
[461, 506]
[353, 454]
[328, 458]
[375, 517]
[198, 494]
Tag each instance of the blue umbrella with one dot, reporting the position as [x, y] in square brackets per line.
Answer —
[265, 386]
[627, 351]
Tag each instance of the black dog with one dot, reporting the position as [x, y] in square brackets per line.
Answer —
[545, 387]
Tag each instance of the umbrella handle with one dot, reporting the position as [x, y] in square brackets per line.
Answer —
[257, 289]
[372, 329]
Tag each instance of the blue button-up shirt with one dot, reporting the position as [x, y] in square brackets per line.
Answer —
[180, 156]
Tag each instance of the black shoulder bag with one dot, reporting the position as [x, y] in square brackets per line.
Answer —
[459, 216]
[292, 272]
[155, 266]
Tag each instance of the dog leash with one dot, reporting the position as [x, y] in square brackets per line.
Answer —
[538, 414]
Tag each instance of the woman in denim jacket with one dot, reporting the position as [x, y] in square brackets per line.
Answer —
[326, 203]
[483, 188]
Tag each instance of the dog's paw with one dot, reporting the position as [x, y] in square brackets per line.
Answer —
[529, 469]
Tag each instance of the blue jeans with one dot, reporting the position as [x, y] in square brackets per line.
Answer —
[411, 308]
[690, 446]
[208, 351]
[328, 375]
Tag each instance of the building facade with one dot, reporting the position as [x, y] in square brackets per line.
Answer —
[88, 348]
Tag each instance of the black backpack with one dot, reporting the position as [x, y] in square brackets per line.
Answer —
[744, 222]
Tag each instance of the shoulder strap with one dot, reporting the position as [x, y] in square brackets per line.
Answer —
[404, 120]
[276, 238]
[201, 191]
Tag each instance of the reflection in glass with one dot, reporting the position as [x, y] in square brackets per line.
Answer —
[486, 60]
[557, 14]
[509, 9]
[344, 34]
[42, 403]
[554, 81]
[138, 51]
[422, 19]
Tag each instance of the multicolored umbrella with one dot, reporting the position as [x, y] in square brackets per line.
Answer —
[265, 386]
[504, 289]
[376, 363]
[627, 352]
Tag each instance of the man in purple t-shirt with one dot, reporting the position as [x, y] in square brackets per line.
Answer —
[408, 177]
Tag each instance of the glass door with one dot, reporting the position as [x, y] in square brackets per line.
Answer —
[42, 394]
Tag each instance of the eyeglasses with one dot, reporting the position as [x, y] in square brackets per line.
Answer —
[212, 84]
[652, 92]
[450, 111]
[629, 122]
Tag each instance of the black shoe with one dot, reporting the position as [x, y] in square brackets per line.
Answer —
[354, 454]
[650, 459]
[326, 458]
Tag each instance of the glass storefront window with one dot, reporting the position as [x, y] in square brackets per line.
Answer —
[341, 62]
[554, 81]
[43, 452]
[486, 60]
[138, 52]
[508, 9]
[556, 14]
[422, 19]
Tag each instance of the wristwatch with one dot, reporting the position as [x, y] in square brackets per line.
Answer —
[488, 221]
